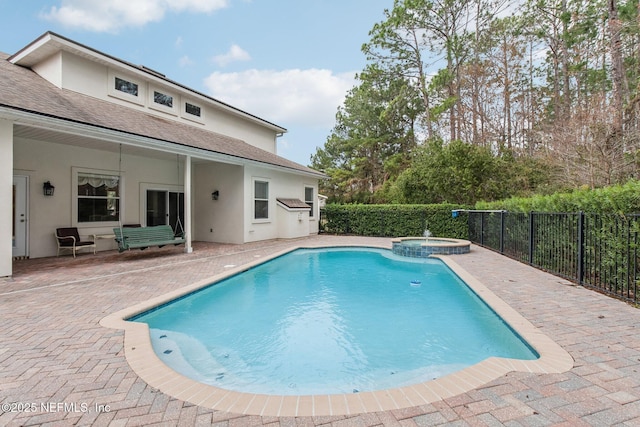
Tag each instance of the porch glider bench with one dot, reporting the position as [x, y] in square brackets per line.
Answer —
[143, 237]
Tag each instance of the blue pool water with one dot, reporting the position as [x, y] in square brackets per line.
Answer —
[330, 321]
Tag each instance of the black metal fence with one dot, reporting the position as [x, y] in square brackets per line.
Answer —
[595, 250]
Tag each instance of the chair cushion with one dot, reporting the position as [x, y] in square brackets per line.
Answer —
[68, 232]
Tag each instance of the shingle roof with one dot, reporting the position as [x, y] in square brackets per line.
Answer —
[22, 89]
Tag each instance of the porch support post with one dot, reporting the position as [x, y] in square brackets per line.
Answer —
[6, 195]
[187, 204]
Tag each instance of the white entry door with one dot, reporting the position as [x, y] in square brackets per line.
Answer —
[20, 215]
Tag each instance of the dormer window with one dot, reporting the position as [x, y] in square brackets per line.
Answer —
[126, 86]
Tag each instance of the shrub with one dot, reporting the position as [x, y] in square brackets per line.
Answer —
[394, 220]
[615, 199]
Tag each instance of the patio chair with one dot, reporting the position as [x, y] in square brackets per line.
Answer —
[68, 238]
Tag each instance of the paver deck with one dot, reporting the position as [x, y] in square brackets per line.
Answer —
[59, 366]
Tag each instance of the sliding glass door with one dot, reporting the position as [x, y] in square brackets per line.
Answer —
[165, 208]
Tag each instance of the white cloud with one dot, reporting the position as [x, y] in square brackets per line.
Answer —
[235, 54]
[111, 15]
[289, 97]
[185, 61]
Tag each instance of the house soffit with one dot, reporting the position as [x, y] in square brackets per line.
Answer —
[104, 140]
[62, 138]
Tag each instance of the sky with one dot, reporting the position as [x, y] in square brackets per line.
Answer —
[290, 62]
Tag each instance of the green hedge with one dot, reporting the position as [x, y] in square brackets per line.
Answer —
[394, 220]
[614, 199]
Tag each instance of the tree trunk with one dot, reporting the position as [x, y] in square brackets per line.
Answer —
[620, 89]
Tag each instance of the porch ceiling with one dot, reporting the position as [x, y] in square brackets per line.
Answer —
[49, 135]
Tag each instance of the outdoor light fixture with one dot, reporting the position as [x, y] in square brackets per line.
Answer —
[215, 195]
[47, 188]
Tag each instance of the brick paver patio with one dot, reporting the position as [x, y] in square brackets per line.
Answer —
[58, 366]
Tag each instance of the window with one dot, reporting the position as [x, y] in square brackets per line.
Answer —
[308, 199]
[194, 110]
[162, 99]
[261, 200]
[98, 198]
[126, 86]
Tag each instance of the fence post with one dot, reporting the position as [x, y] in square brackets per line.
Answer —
[531, 234]
[482, 228]
[581, 253]
[502, 231]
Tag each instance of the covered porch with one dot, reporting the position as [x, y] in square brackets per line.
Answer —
[104, 179]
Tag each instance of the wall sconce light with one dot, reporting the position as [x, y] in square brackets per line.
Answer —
[48, 189]
[215, 195]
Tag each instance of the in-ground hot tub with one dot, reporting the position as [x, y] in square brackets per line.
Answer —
[421, 247]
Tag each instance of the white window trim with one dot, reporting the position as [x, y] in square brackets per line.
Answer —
[160, 107]
[74, 197]
[253, 200]
[191, 117]
[314, 202]
[112, 91]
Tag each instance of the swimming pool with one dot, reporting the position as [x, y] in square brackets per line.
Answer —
[327, 321]
[142, 359]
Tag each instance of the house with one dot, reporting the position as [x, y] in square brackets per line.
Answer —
[118, 143]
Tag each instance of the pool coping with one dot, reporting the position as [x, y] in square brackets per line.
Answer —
[436, 241]
[146, 364]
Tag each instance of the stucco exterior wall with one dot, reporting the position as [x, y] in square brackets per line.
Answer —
[51, 69]
[281, 185]
[84, 76]
[249, 132]
[218, 220]
[43, 161]
[230, 219]
[292, 223]
[81, 75]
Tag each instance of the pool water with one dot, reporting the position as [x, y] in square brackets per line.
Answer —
[330, 321]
